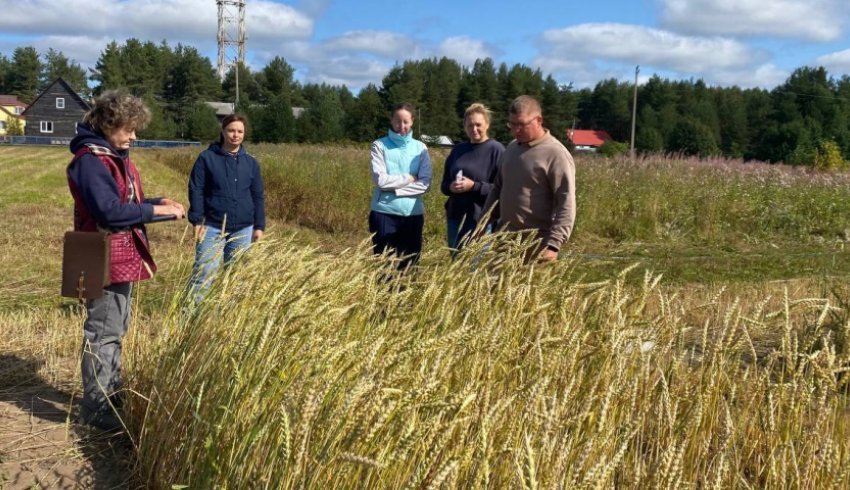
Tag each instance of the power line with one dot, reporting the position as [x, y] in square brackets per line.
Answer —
[814, 96]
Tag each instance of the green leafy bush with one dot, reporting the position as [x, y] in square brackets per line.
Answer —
[613, 148]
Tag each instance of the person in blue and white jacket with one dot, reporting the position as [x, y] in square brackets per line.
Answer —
[401, 173]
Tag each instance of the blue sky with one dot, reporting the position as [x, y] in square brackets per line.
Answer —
[749, 43]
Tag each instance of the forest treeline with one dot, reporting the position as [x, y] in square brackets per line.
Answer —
[805, 120]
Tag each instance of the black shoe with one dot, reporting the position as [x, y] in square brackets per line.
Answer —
[105, 420]
[117, 400]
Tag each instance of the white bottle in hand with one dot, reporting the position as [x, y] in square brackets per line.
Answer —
[459, 177]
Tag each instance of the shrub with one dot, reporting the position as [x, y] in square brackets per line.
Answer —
[16, 128]
[613, 148]
[692, 137]
[828, 157]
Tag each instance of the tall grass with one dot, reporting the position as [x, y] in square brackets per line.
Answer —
[698, 221]
[662, 199]
[306, 370]
[710, 201]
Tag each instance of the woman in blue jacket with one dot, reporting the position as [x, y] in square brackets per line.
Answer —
[226, 203]
[401, 174]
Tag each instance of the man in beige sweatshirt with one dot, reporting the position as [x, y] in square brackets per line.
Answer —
[535, 187]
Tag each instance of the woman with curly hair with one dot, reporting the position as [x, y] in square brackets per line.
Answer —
[108, 196]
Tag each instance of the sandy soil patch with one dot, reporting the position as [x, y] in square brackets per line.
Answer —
[41, 447]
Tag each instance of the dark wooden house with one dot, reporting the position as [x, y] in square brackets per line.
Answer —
[55, 112]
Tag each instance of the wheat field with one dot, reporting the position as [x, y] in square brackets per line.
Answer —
[317, 367]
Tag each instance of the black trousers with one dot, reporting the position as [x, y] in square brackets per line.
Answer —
[403, 234]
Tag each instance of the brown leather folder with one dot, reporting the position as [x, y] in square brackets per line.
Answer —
[85, 264]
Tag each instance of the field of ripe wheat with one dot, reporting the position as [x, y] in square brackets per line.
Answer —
[694, 335]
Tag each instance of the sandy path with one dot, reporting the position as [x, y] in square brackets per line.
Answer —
[41, 447]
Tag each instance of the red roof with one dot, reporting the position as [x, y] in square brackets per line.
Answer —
[587, 137]
[11, 100]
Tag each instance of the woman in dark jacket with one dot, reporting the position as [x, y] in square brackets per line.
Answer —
[468, 176]
[226, 203]
[108, 196]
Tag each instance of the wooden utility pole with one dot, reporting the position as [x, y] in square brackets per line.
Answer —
[634, 115]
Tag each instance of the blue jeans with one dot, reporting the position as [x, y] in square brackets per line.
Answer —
[208, 254]
[457, 232]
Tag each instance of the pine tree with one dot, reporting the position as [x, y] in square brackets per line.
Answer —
[323, 118]
[57, 65]
[201, 123]
[23, 78]
[249, 87]
[161, 127]
[191, 78]
[403, 84]
[273, 121]
[276, 79]
[692, 137]
[368, 119]
[5, 69]
[107, 71]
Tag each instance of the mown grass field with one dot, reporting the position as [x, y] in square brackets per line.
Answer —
[694, 335]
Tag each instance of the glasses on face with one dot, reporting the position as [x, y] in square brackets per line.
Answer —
[517, 125]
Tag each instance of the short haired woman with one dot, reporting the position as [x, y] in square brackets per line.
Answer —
[468, 176]
[401, 174]
[226, 202]
[108, 195]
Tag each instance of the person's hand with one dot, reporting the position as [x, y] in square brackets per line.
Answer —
[548, 255]
[413, 178]
[165, 209]
[199, 232]
[464, 185]
[170, 202]
[257, 235]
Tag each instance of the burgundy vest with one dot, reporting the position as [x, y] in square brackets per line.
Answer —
[130, 256]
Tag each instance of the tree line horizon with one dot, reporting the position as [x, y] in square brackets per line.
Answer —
[797, 122]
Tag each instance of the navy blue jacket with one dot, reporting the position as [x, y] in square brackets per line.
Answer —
[226, 189]
[99, 190]
[478, 162]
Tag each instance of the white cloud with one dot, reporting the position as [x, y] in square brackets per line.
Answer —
[838, 62]
[382, 43]
[816, 20]
[587, 53]
[353, 72]
[464, 49]
[187, 21]
[579, 73]
[266, 20]
[643, 45]
[321, 64]
[764, 76]
[314, 8]
[354, 58]
[79, 49]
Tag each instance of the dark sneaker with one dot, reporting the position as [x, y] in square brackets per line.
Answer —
[105, 420]
[116, 399]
